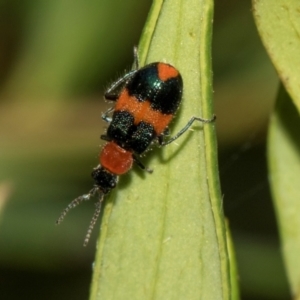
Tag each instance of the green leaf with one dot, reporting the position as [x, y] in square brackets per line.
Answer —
[163, 236]
[278, 23]
[235, 290]
[284, 165]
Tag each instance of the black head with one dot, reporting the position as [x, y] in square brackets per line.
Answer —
[104, 180]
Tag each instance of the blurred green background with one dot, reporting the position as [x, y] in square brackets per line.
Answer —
[56, 58]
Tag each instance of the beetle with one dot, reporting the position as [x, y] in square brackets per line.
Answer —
[146, 100]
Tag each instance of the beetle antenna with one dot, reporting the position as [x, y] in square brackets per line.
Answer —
[76, 202]
[93, 221]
